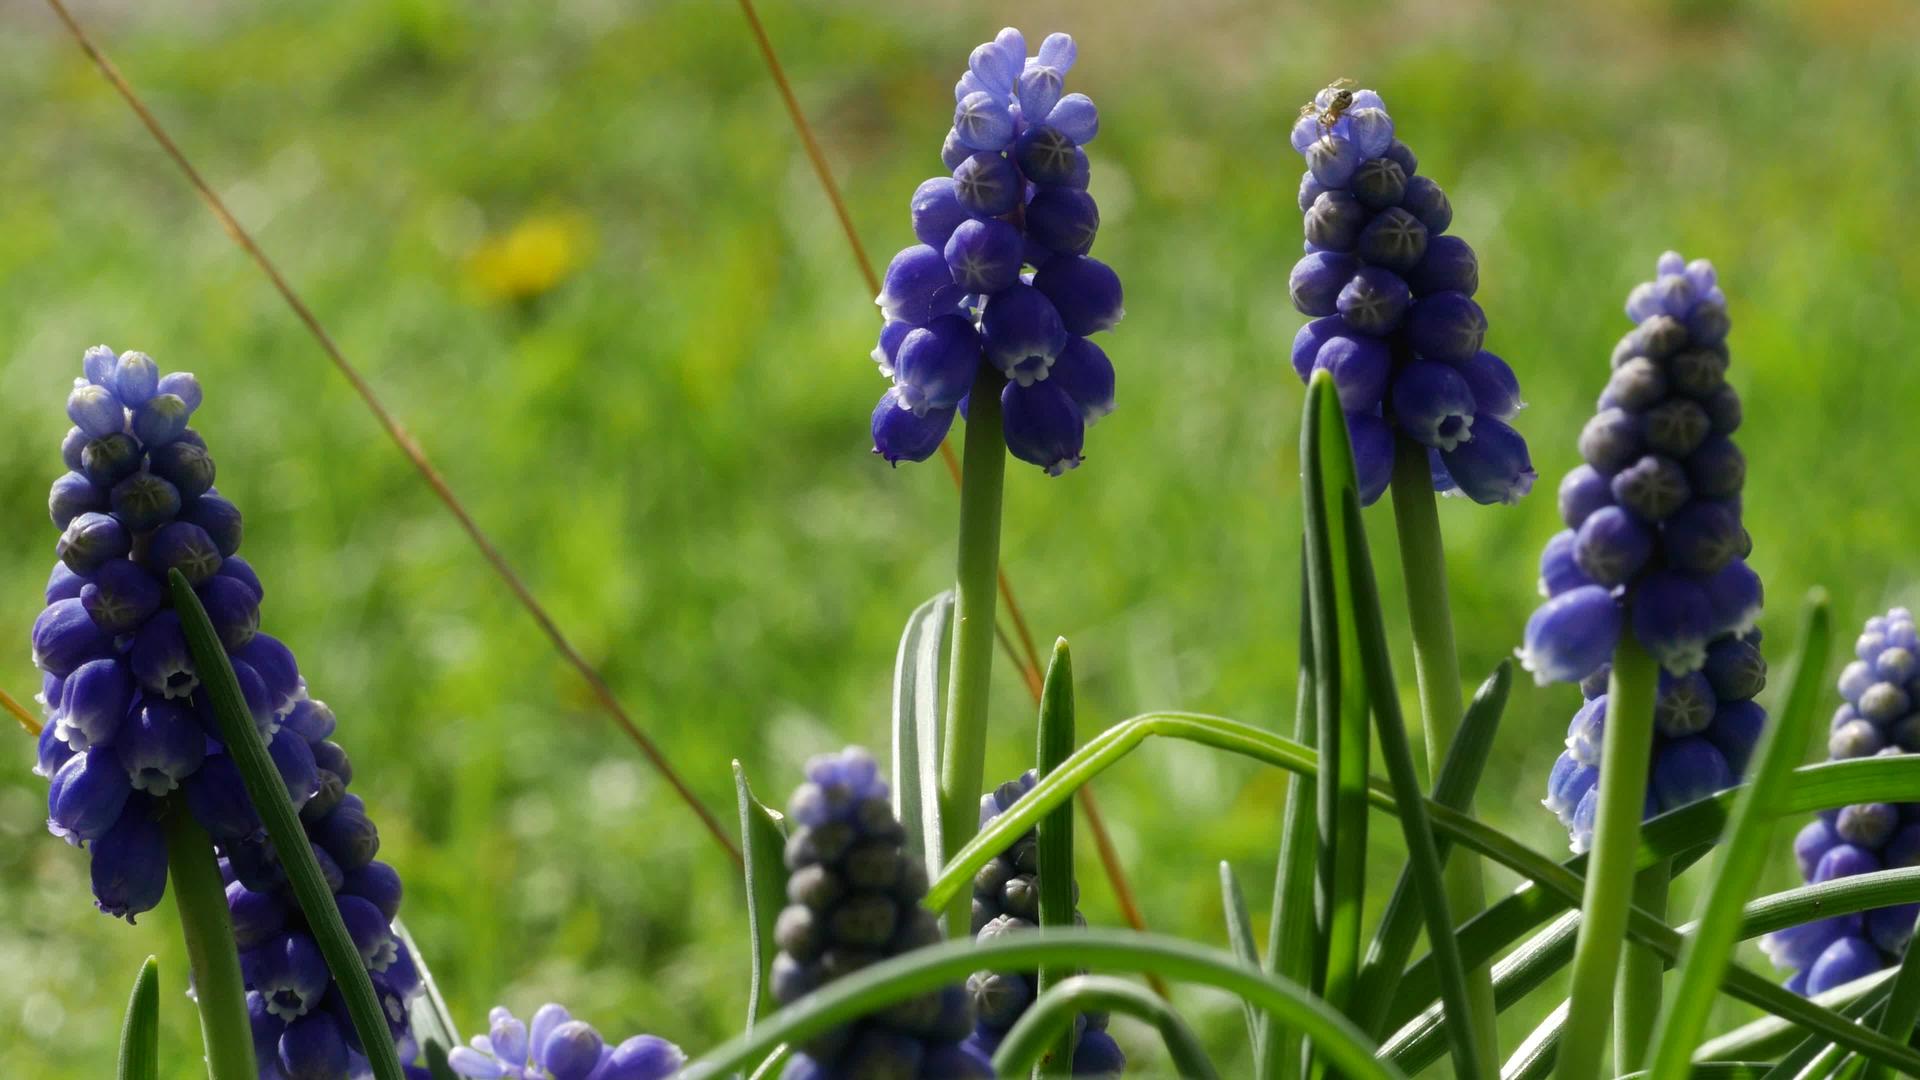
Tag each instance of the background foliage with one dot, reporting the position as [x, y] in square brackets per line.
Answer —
[576, 246]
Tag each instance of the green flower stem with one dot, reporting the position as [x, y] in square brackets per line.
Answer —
[201, 898]
[1636, 999]
[1625, 752]
[984, 466]
[1436, 668]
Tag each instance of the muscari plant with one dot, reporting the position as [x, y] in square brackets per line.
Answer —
[916, 928]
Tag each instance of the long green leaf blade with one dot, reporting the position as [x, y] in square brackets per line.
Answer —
[919, 680]
[875, 987]
[1341, 787]
[1114, 744]
[1744, 853]
[1416, 1045]
[1399, 927]
[433, 1023]
[1821, 786]
[1423, 855]
[1770, 1035]
[1054, 843]
[140, 1033]
[763, 840]
[1277, 1055]
[1903, 1006]
[1050, 1018]
[268, 792]
[1233, 905]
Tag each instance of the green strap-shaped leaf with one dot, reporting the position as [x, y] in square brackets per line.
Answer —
[268, 793]
[1770, 1035]
[1051, 1016]
[1417, 1045]
[1399, 927]
[1423, 855]
[1233, 903]
[1689, 828]
[763, 841]
[1872, 784]
[1341, 1044]
[432, 1021]
[1328, 476]
[1744, 853]
[919, 682]
[140, 1034]
[1903, 1007]
[1290, 923]
[1055, 840]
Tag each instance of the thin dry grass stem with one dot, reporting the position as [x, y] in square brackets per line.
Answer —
[602, 693]
[1029, 663]
[20, 713]
[812, 145]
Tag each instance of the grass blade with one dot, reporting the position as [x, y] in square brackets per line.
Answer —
[919, 679]
[1050, 1019]
[268, 793]
[1290, 923]
[140, 1033]
[1233, 904]
[432, 1021]
[917, 972]
[763, 840]
[1054, 843]
[1399, 927]
[1744, 853]
[1423, 855]
[1341, 787]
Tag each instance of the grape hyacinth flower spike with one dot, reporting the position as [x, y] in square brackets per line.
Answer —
[1006, 900]
[854, 895]
[131, 736]
[1394, 320]
[1653, 546]
[1879, 715]
[555, 1046]
[1000, 290]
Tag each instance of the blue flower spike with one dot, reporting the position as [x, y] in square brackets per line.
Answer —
[1879, 714]
[130, 737]
[1006, 900]
[555, 1046]
[1654, 546]
[1395, 320]
[854, 895]
[1001, 282]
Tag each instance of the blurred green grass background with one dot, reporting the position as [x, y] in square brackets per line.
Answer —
[576, 247]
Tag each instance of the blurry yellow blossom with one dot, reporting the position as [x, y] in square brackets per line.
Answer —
[533, 257]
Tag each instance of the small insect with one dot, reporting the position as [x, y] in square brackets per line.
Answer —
[1337, 104]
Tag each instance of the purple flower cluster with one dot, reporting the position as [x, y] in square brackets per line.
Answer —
[555, 1046]
[1654, 545]
[1395, 321]
[130, 737]
[1006, 900]
[854, 897]
[1880, 716]
[1001, 272]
